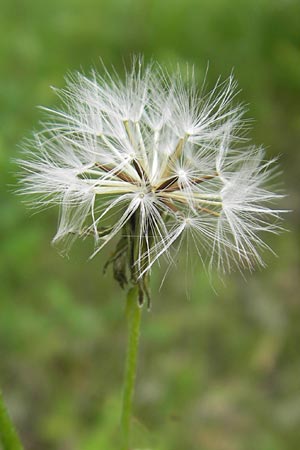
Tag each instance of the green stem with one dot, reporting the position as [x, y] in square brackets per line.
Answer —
[134, 313]
[8, 435]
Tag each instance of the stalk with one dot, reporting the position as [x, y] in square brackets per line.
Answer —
[134, 314]
[8, 435]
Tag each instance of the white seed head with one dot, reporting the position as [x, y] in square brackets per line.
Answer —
[153, 150]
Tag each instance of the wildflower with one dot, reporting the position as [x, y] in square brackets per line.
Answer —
[152, 159]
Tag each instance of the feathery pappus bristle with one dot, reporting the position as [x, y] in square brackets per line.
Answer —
[152, 159]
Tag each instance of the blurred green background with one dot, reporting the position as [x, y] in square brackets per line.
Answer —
[218, 370]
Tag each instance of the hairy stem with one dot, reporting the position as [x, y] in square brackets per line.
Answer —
[8, 435]
[134, 313]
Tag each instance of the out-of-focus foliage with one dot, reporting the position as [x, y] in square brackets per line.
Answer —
[216, 371]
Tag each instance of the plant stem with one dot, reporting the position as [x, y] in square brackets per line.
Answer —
[134, 313]
[8, 435]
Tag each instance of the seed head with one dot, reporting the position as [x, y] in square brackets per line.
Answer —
[152, 159]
